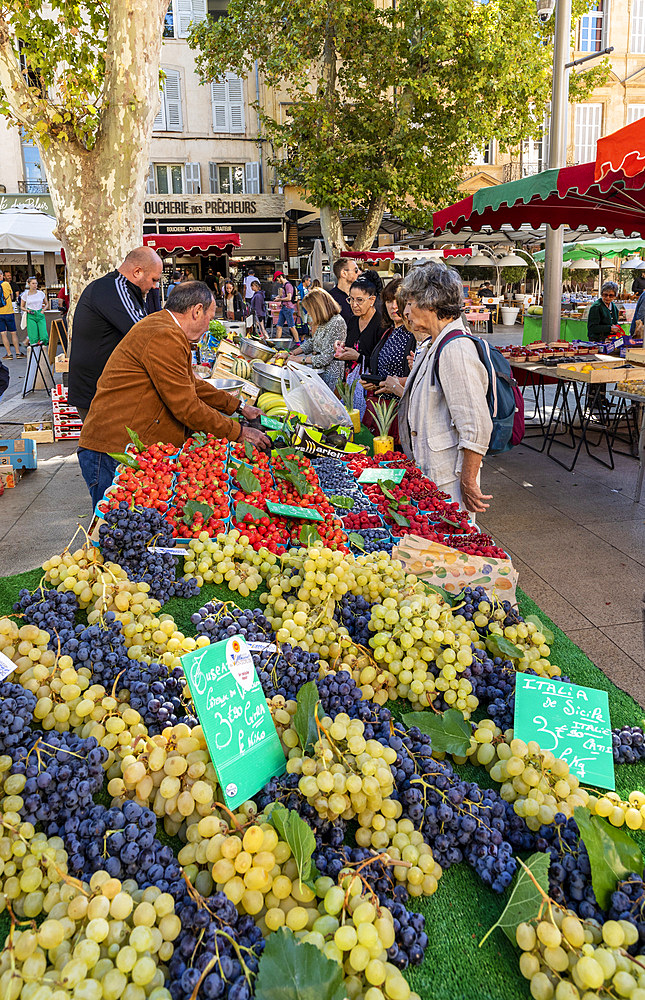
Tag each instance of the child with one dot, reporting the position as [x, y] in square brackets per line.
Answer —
[258, 309]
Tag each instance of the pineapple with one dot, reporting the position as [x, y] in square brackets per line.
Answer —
[346, 394]
[384, 414]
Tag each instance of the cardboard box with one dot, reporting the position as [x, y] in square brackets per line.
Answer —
[61, 363]
[59, 392]
[22, 453]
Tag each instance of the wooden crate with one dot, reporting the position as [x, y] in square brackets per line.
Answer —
[61, 363]
[42, 435]
[636, 355]
[601, 371]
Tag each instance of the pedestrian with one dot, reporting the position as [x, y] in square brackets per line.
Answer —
[286, 296]
[233, 302]
[148, 386]
[602, 320]
[316, 284]
[389, 361]
[32, 301]
[346, 271]
[638, 284]
[365, 327]
[444, 424]
[327, 328]
[8, 319]
[258, 308]
[209, 279]
[248, 285]
[106, 310]
[175, 279]
[304, 286]
[486, 292]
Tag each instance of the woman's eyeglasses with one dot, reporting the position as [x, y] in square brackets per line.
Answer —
[357, 302]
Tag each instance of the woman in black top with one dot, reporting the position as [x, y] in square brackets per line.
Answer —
[365, 328]
[233, 302]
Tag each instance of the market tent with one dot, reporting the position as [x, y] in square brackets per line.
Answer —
[369, 256]
[597, 249]
[26, 229]
[569, 196]
[192, 244]
[622, 150]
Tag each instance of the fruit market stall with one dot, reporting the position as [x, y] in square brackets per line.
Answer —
[302, 764]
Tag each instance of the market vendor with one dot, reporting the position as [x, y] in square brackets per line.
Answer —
[602, 320]
[148, 385]
[444, 423]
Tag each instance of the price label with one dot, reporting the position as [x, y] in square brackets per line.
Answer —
[569, 720]
[233, 712]
[288, 510]
[7, 666]
[378, 475]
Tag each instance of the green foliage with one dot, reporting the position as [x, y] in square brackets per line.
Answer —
[296, 970]
[513, 275]
[387, 104]
[526, 898]
[612, 853]
[450, 733]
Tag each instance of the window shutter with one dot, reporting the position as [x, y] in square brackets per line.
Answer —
[159, 124]
[637, 34]
[252, 178]
[193, 179]
[172, 94]
[219, 105]
[588, 128]
[190, 12]
[150, 182]
[634, 112]
[213, 181]
[235, 95]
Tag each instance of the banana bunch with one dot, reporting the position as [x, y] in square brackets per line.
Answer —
[272, 404]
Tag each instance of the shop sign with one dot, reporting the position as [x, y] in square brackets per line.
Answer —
[39, 202]
[261, 206]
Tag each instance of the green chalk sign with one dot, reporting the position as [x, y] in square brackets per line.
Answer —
[569, 720]
[271, 423]
[288, 510]
[379, 475]
[233, 712]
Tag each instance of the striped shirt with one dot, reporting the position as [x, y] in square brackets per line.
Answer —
[107, 309]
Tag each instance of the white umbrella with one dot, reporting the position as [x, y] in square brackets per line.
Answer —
[635, 264]
[316, 261]
[28, 230]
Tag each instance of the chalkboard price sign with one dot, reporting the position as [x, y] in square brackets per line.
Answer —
[569, 720]
[233, 712]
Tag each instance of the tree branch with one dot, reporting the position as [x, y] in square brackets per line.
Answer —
[26, 108]
[370, 225]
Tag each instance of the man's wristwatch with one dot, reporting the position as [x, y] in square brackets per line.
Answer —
[240, 407]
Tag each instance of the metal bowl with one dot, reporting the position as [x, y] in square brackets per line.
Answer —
[255, 349]
[266, 377]
[281, 343]
[227, 384]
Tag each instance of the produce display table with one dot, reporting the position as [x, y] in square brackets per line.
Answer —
[570, 329]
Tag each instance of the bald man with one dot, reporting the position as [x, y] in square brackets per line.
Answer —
[107, 309]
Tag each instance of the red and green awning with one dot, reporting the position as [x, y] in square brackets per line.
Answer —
[570, 196]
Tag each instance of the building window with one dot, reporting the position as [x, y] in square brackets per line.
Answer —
[592, 29]
[588, 129]
[217, 8]
[234, 178]
[193, 179]
[634, 112]
[166, 178]
[181, 15]
[484, 154]
[170, 118]
[227, 99]
[35, 179]
[637, 32]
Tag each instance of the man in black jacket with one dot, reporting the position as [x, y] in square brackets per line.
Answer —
[107, 309]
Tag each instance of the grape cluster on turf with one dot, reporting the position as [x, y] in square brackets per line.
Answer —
[62, 773]
[128, 538]
[353, 611]
[628, 903]
[219, 621]
[16, 715]
[48, 609]
[628, 745]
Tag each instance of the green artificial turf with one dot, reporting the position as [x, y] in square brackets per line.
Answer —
[459, 914]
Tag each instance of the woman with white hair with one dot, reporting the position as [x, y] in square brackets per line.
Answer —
[602, 320]
[444, 420]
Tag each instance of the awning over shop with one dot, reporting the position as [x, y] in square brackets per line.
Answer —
[369, 256]
[26, 229]
[192, 244]
[566, 197]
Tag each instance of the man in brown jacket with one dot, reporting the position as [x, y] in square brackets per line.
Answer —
[148, 385]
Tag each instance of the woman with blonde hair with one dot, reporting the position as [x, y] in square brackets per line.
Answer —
[326, 326]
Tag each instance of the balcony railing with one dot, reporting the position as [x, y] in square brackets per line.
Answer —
[33, 187]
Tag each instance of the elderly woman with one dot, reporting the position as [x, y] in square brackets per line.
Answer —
[327, 326]
[603, 315]
[444, 423]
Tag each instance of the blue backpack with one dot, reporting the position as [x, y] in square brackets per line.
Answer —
[505, 401]
[3, 300]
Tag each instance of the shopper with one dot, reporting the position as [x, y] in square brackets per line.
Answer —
[107, 309]
[304, 286]
[345, 271]
[327, 327]
[258, 308]
[365, 328]
[390, 355]
[444, 426]
[148, 385]
[602, 320]
[248, 285]
[8, 319]
[286, 296]
[638, 284]
[210, 280]
[174, 280]
[32, 301]
[233, 302]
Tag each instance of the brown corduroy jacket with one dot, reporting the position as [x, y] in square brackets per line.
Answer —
[148, 385]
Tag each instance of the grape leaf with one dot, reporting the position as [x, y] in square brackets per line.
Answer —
[612, 853]
[136, 440]
[399, 518]
[304, 720]
[451, 599]
[242, 508]
[498, 645]
[525, 899]
[248, 451]
[309, 535]
[296, 970]
[449, 732]
[247, 480]
[191, 507]
[342, 501]
[124, 459]
[357, 540]
[297, 833]
[546, 632]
